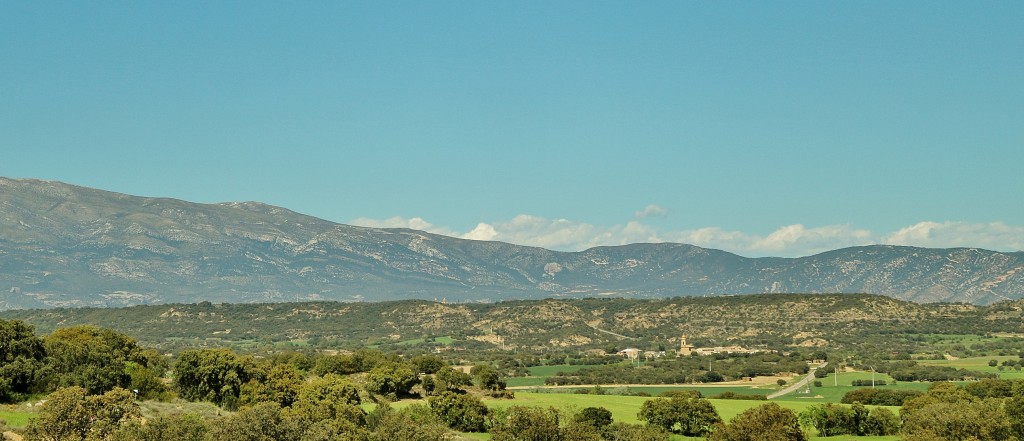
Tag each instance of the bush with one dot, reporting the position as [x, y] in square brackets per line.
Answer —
[461, 412]
[879, 397]
[521, 423]
[594, 416]
[768, 422]
[392, 380]
[72, 414]
[736, 396]
[689, 415]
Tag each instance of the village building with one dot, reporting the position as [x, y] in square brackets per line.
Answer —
[684, 349]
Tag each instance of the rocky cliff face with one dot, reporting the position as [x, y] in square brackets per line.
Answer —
[62, 245]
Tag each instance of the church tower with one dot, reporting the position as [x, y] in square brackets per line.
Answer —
[684, 349]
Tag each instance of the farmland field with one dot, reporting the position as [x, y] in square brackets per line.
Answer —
[539, 373]
[981, 364]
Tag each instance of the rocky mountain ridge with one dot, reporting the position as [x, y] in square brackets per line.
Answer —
[64, 245]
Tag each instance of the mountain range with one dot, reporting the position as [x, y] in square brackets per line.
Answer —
[65, 245]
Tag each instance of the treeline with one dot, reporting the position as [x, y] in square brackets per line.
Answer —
[848, 322]
[692, 369]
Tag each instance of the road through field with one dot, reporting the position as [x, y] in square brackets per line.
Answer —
[795, 386]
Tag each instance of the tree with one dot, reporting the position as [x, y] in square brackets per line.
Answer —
[687, 415]
[281, 386]
[171, 427]
[331, 397]
[984, 420]
[453, 379]
[634, 432]
[1015, 413]
[881, 422]
[428, 364]
[768, 422]
[487, 377]
[71, 414]
[520, 423]
[260, 422]
[830, 419]
[94, 358]
[461, 412]
[21, 360]
[392, 380]
[413, 423]
[336, 364]
[214, 375]
[597, 417]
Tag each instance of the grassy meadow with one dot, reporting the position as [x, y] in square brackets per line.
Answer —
[16, 417]
[625, 408]
[981, 364]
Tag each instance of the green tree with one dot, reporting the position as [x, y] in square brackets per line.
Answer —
[634, 432]
[767, 422]
[94, 358]
[281, 386]
[393, 380]
[521, 423]
[336, 364]
[413, 423]
[260, 422]
[598, 417]
[214, 375]
[830, 419]
[452, 379]
[881, 422]
[21, 360]
[487, 377]
[687, 415]
[331, 397]
[982, 420]
[462, 412]
[71, 414]
[1015, 414]
[171, 427]
[428, 364]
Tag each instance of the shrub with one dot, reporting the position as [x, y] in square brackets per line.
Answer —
[461, 412]
[768, 422]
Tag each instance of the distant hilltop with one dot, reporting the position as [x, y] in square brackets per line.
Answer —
[65, 245]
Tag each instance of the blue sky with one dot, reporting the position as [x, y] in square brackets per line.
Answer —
[761, 128]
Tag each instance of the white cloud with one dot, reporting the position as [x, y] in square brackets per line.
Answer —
[786, 241]
[482, 232]
[416, 223]
[651, 211]
[992, 235]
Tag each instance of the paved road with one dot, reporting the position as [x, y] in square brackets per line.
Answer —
[795, 386]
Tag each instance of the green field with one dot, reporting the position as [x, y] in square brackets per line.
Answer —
[625, 408]
[830, 392]
[16, 419]
[980, 364]
[540, 373]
